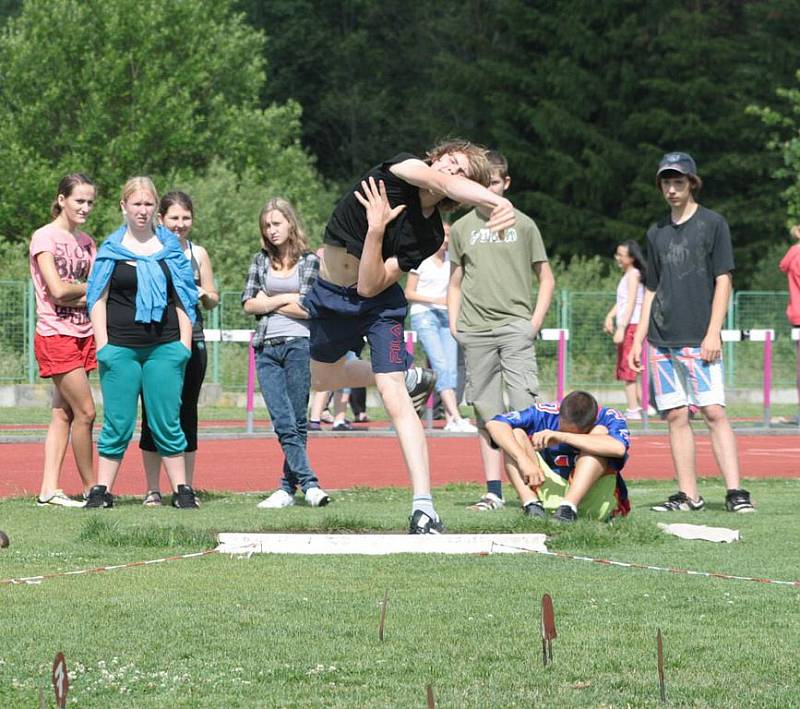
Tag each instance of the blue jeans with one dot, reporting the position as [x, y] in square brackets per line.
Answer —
[284, 376]
[440, 346]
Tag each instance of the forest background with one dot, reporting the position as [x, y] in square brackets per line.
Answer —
[237, 101]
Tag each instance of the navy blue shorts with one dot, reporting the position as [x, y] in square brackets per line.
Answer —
[341, 319]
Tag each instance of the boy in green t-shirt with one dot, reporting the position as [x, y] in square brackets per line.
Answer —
[493, 316]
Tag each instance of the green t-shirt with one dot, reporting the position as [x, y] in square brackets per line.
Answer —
[497, 283]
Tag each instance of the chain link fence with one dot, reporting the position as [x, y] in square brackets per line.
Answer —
[591, 355]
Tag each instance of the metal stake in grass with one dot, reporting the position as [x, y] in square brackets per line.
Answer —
[60, 680]
[383, 614]
[431, 700]
[548, 629]
[660, 652]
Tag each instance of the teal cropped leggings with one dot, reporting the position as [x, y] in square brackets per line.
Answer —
[156, 372]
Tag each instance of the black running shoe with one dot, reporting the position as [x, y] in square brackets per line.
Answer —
[564, 514]
[738, 501]
[679, 502]
[534, 509]
[419, 383]
[99, 497]
[184, 498]
[422, 523]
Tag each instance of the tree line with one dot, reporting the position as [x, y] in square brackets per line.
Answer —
[237, 101]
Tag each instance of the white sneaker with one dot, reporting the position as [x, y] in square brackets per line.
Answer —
[276, 501]
[466, 426]
[58, 499]
[633, 414]
[460, 425]
[488, 503]
[317, 497]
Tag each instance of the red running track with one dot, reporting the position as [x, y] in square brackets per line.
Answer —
[254, 464]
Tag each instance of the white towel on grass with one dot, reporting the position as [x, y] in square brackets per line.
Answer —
[701, 531]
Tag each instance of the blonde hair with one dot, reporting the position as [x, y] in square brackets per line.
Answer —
[479, 169]
[297, 243]
[141, 183]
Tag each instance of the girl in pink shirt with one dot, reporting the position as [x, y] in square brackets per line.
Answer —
[790, 265]
[61, 256]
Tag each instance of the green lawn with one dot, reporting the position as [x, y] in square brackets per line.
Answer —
[303, 631]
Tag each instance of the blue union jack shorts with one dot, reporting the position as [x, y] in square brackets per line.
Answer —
[681, 378]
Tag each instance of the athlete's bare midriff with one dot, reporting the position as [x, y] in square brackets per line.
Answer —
[338, 267]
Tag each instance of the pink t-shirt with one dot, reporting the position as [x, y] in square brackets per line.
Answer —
[73, 256]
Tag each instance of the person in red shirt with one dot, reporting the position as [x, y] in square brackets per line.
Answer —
[790, 265]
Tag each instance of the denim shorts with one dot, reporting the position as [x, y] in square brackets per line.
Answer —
[341, 319]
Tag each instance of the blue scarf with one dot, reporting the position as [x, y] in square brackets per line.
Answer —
[151, 286]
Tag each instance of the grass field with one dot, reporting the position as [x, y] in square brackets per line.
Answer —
[295, 631]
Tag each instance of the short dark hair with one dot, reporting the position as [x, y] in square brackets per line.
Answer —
[498, 162]
[580, 409]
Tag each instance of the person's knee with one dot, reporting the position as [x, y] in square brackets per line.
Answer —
[678, 416]
[84, 414]
[392, 388]
[714, 414]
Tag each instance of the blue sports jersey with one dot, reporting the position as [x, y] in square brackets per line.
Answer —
[561, 457]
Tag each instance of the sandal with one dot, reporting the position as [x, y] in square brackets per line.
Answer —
[152, 499]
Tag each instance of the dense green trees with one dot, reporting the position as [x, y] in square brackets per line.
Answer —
[582, 96]
[115, 89]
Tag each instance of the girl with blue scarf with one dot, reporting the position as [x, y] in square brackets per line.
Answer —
[142, 300]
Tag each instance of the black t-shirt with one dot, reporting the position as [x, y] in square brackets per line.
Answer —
[123, 330]
[411, 238]
[683, 262]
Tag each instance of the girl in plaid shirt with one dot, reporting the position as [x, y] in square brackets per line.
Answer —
[280, 276]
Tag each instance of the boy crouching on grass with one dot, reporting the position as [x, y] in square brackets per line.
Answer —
[568, 458]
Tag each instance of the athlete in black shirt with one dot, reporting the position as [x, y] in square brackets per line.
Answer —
[384, 227]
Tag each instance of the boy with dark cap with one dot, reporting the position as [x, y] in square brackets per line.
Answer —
[688, 286]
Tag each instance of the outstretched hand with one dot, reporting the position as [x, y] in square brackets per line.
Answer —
[502, 216]
[379, 212]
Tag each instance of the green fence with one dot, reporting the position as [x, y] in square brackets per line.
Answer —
[591, 356]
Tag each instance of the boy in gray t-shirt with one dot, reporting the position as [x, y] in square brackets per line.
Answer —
[493, 316]
[688, 286]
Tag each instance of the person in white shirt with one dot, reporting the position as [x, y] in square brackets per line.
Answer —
[426, 290]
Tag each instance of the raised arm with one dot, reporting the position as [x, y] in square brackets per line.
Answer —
[458, 188]
[374, 274]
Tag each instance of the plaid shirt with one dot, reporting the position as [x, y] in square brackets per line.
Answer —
[308, 270]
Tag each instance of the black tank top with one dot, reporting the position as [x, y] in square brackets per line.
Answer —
[123, 330]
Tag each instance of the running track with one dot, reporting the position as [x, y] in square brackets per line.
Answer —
[254, 464]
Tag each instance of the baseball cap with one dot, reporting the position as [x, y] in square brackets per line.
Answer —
[679, 162]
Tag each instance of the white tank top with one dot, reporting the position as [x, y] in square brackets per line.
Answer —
[622, 297]
[433, 280]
